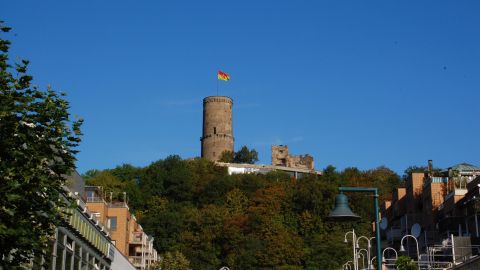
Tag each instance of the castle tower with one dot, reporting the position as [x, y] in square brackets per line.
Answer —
[217, 134]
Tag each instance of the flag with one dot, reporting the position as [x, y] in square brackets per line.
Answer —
[223, 76]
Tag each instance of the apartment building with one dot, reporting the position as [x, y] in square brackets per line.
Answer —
[82, 241]
[127, 235]
[441, 203]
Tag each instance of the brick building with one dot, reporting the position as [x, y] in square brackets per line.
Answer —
[125, 232]
[442, 203]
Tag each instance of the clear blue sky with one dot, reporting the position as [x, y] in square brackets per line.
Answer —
[353, 83]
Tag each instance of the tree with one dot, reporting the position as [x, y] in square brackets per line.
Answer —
[37, 149]
[174, 261]
[112, 186]
[405, 263]
[244, 155]
[226, 156]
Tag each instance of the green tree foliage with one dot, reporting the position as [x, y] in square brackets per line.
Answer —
[227, 156]
[420, 169]
[37, 142]
[405, 263]
[245, 155]
[250, 221]
[174, 261]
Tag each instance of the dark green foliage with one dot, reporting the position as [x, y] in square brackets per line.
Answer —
[250, 221]
[37, 142]
[226, 156]
[419, 169]
[244, 155]
[405, 263]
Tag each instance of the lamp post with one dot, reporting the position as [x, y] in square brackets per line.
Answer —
[369, 246]
[383, 254]
[354, 237]
[342, 212]
[363, 258]
[402, 248]
[371, 261]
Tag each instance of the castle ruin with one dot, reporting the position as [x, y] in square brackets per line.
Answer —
[281, 157]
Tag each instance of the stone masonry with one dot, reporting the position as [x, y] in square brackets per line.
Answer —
[281, 157]
[217, 134]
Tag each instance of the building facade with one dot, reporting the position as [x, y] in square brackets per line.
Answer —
[82, 242]
[126, 234]
[438, 208]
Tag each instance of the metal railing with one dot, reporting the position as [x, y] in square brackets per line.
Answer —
[137, 261]
[95, 199]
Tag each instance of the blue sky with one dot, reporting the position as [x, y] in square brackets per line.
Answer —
[353, 83]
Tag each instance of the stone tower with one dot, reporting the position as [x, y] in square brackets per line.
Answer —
[217, 134]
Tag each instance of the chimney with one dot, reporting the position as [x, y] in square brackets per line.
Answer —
[430, 167]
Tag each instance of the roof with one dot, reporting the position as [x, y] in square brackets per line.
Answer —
[267, 168]
[462, 167]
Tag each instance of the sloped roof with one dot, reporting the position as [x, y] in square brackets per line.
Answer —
[462, 167]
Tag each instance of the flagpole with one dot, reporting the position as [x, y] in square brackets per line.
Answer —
[217, 86]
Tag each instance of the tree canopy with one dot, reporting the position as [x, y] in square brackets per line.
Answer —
[244, 155]
[37, 142]
[248, 221]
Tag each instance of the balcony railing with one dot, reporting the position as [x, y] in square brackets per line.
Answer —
[95, 199]
[137, 237]
[137, 261]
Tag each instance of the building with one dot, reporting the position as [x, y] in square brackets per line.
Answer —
[127, 235]
[217, 135]
[235, 168]
[82, 241]
[442, 206]
[295, 166]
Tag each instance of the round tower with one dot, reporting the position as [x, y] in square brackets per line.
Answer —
[217, 135]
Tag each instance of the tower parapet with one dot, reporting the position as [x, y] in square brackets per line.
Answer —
[217, 135]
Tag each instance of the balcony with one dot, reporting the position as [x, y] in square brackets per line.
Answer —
[137, 261]
[95, 200]
[137, 238]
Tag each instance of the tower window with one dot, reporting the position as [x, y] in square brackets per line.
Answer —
[214, 130]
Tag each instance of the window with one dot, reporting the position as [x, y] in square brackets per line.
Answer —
[112, 223]
[214, 130]
[90, 196]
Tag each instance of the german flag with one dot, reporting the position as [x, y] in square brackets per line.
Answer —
[223, 76]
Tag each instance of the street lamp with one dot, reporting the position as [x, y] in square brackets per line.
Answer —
[371, 261]
[363, 257]
[354, 239]
[369, 246]
[342, 212]
[402, 248]
[384, 260]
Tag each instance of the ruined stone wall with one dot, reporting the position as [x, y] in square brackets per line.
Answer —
[217, 135]
[303, 162]
[281, 157]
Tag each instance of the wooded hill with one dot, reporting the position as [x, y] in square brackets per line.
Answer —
[244, 221]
